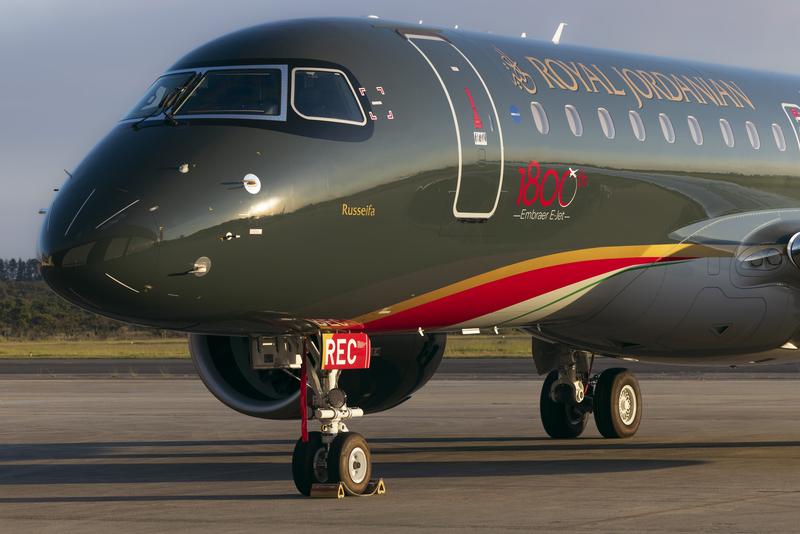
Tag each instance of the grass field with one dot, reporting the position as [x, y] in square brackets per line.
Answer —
[516, 346]
[145, 348]
[457, 347]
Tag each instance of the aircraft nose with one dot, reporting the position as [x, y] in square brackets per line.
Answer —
[98, 248]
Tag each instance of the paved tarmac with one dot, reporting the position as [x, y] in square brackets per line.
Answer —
[162, 455]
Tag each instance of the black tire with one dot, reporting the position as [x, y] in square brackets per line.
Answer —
[308, 465]
[560, 420]
[350, 462]
[617, 403]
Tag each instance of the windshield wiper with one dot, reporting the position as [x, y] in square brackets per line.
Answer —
[170, 96]
[168, 103]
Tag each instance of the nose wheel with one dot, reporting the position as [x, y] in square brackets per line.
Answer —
[351, 462]
[346, 461]
[309, 463]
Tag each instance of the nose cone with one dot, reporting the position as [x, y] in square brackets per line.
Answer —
[98, 247]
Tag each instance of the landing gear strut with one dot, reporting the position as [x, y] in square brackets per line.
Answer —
[334, 457]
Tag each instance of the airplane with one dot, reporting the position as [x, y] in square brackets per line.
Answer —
[318, 203]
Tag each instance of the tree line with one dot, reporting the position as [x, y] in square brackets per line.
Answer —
[19, 270]
[30, 310]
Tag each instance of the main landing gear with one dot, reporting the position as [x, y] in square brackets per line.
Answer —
[333, 462]
[570, 393]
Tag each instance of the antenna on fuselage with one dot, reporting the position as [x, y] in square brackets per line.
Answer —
[557, 36]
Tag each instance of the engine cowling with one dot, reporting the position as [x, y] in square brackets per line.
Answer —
[401, 364]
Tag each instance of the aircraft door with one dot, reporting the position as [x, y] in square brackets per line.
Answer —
[479, 137]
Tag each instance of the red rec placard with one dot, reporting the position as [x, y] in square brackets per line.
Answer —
[346, 351]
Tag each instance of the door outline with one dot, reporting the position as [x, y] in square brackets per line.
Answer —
[456, 213]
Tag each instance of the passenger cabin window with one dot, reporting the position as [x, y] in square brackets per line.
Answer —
[574, 120]
[255, 92]
[540, 118]
[151, 103]
[637, 125]
[666, 128]
[727, 133]
[752, 134]
[777, 134]
[694, 129]
[606, 123]
[326, 95]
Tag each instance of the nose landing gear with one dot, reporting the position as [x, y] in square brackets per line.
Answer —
[333, 462]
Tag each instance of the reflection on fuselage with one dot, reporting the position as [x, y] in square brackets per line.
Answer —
[398, 200]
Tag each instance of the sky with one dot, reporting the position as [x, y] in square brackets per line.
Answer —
[69, 69]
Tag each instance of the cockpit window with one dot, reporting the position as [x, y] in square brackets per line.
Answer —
[326, 95]
[236, 92]
[151, 102]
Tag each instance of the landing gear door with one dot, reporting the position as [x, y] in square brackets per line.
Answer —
[478, 135]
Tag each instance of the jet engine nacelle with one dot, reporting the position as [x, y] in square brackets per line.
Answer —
[401, 364]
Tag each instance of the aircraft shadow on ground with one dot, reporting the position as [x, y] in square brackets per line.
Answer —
[126, 450]
[190, 472]
[486, 461]
[148, 473]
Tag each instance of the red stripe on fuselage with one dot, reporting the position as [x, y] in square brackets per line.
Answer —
[500, 294]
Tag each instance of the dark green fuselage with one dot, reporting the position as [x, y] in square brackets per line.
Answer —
[352, 219]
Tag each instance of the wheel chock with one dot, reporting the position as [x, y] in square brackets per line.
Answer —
[327, 491]
[338, 491]
[375, 487]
